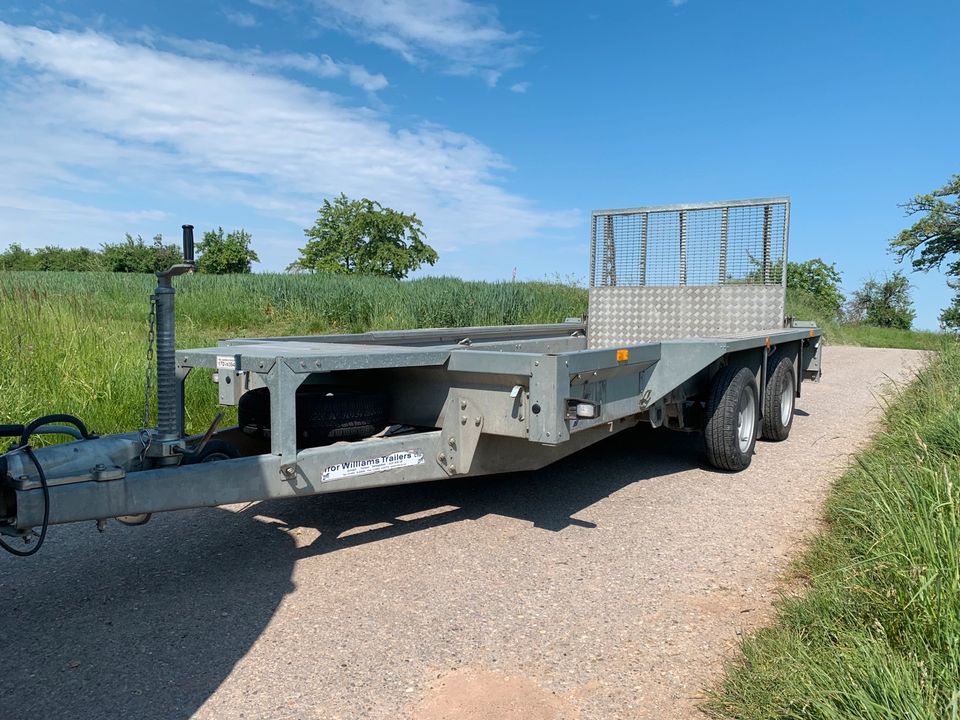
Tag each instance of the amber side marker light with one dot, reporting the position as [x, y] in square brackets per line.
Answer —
[623, 355]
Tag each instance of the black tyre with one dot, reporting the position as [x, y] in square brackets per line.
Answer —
[325, 414]
[214, 451]
[730, 433]
[778, 401]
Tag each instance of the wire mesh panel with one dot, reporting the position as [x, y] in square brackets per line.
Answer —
[675, 271]
[736, 242]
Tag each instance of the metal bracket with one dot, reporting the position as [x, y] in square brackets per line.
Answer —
[231, 385]
[103, 473]
[461, 433]
[658, 413]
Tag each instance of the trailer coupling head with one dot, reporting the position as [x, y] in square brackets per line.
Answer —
[59, 424]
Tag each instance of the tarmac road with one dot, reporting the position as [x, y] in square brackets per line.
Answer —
[609, 585]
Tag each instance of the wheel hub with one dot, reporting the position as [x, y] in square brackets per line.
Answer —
[746, 420]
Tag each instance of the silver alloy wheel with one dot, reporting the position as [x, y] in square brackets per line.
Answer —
[786, 402]
[746, 419]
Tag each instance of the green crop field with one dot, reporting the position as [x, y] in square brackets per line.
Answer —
[76, 342]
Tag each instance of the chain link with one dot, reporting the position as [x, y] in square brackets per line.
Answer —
[151, 341]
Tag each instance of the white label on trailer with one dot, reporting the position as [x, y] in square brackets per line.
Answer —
[353, 468]
[226, 362]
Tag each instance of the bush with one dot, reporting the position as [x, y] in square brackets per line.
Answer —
[885, 303]
[819, 283]
[16, 258]
[50, 258]
[135, 256]
[221, 255]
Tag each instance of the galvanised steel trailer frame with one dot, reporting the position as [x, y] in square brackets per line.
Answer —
[467, 401]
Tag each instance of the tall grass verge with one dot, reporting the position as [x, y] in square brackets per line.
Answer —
[76, 342]
[877, 635]
[805, 307]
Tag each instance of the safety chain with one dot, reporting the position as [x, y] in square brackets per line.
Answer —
[151, 341]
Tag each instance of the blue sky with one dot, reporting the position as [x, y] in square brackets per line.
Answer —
[501, 126]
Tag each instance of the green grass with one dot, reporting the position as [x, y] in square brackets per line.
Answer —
[76, 342]
[803, 307]
[877, 633]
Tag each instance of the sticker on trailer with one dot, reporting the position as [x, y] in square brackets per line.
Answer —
[227, 362]
[353, 468]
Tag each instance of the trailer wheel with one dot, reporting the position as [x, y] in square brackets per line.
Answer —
[214, 451]
[778, 402]
[731, 429]
[325, 414]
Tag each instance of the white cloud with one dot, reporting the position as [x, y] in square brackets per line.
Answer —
[240, 19]
[322, 66]
[272, 4]
[520, 87]
[112, 124]
[466, 38]
[678, 3]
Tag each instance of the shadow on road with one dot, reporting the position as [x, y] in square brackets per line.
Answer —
[548, 498]
[148, 622]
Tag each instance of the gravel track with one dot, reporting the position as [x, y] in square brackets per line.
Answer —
[609, 585]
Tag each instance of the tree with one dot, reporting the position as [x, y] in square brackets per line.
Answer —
[67, 259]
[820, 282]
[950, 317]
[50, 257]
[16, 258]
[883, 304]
[221, 255]
[935, 238]
[135, 256]
[362, 236]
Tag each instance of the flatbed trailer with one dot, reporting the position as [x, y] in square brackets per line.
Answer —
[685, 330]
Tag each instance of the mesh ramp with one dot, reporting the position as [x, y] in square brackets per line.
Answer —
[676, 271]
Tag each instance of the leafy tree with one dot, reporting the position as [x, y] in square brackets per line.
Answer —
[935, 238]
[134, 255]
[221, 255]
[820, 282]
[884, 303]
[362, 236]
[950, 317]
[17, 258]
[50, 257]
[67, 259]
